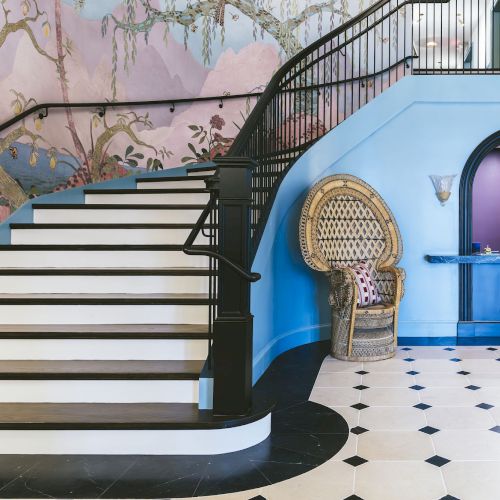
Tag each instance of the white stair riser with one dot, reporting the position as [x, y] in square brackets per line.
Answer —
[148, 199]
[101, 259]
[103, 236]
[204, 172]
[104, 284]
[118, 216]
[194, 184]
[61, 314]
[103, 349]
[98, 391]
[134, 442]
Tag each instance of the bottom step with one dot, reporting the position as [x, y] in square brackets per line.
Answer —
[123, 429]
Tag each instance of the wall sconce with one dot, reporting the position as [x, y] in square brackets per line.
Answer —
[442, 184]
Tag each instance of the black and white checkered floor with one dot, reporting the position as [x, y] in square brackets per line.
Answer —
[425, 425]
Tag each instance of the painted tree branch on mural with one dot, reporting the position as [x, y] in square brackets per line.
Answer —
[23, 24]
[285, 32]
[89, 163]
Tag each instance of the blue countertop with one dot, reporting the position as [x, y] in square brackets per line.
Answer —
[492, 258]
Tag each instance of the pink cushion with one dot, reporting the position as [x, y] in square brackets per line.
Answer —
[367, 289]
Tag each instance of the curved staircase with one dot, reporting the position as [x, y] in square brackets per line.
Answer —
[103, 328]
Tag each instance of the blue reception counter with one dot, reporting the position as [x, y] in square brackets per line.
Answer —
[492, 258]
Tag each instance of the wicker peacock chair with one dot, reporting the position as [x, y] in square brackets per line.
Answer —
[344, 222]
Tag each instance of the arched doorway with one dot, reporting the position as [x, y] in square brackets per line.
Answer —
[481, 158]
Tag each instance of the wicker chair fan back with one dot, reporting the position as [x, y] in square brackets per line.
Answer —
[344, 221]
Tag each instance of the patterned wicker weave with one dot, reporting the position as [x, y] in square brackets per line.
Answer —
[344, 221]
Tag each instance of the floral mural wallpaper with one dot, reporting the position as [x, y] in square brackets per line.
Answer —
[129, 50]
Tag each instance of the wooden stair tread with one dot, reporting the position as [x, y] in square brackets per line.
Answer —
[105, 271]
[145, 191]
[141, 180]
[19, 331]
[94, 247]
[105, 225]
[114, 416]
[117, 206]
[102, 369]
[105, 298]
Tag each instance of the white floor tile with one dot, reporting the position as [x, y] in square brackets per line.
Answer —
[335, 396]
[342, 379]
[456, 418]
[389, 397]
[387, 418]
[467, 445]
[398, 480]
[449, 396]
[380, 379]
[472, 480]
[395, 445]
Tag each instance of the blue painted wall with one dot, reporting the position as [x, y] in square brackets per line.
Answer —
[423, 125]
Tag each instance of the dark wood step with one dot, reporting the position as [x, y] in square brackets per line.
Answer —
[100, 370]
[90, 248]
[144, 191]
[85, 225]
[106, 416]
[140, 180]
[82, 271]
[195, 299]
[204, 168]
[107, 206]
[142, 332]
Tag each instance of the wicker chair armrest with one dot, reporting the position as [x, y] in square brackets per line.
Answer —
[397, 276]
[342, 287]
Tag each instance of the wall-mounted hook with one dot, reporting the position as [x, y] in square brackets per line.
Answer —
[101, 111]
[43, 113]
[172, 108]
[221, 104]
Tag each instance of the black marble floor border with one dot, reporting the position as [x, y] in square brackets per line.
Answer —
[304, 435]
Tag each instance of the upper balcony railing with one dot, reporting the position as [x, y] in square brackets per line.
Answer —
[332, 78]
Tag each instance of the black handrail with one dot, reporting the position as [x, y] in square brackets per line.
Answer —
[189, 248]
[115, 104]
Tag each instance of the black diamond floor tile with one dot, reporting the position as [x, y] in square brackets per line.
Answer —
[406, 349]
[429, 430]
[412, 372]
[258, 497]
[353, 497]
[358, 430]
[491, 349]
[417, 387]
[472, 387]
[362, 372]
[498, 359]
[449, 497]
[496, 428]
[484, 406]
[463, 372]
[449, 349]
[437, 461]
[361, 387]
[422, 406]
[359, 406]
[409, 360]
[355, 461]
[455, 360]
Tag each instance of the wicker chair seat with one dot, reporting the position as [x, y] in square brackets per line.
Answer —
[345, 221]
[378, 316]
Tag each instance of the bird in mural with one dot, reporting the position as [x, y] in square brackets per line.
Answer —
[13, 152]
[219, 12]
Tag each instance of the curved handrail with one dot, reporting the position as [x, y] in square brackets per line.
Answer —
[189, 249]
[274, 84]
[111, 104]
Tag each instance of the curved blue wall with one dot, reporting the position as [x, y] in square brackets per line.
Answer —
[422, 125]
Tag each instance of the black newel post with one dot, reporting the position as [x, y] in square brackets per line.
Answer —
[233, 327]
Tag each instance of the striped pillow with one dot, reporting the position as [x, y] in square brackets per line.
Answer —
[367, 289]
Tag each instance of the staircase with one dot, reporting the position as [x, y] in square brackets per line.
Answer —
[103, 328]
